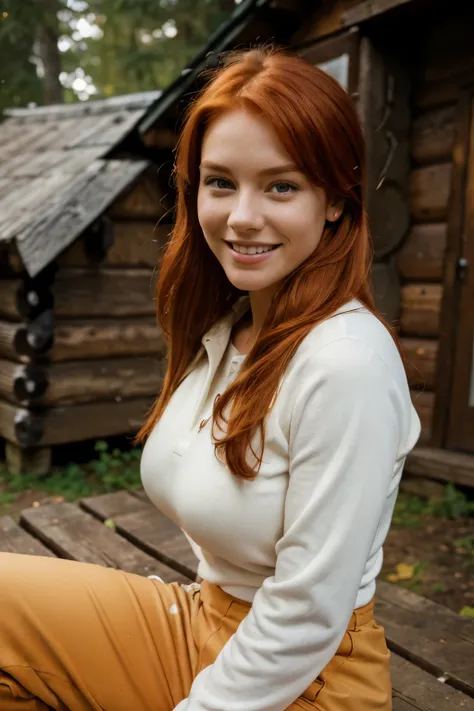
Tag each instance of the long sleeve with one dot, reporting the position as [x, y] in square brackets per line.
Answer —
[343, 447]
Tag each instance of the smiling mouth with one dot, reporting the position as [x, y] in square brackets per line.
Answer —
[252, 250]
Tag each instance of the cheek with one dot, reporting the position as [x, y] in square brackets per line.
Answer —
[210, 214]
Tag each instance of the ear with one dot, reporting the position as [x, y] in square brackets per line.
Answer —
[334, 210]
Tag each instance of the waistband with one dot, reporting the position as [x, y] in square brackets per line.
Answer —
[234, 608]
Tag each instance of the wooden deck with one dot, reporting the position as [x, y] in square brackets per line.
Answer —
[432, 647]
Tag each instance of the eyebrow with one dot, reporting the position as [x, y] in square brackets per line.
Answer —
[285, 168]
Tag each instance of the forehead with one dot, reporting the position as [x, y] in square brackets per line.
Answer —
[238, 135]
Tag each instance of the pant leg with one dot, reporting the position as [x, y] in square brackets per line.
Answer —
[80, 637]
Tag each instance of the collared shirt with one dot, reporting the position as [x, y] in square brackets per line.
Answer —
[303, 541]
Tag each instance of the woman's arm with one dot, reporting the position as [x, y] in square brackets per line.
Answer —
[344, 438]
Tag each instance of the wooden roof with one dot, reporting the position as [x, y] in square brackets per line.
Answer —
[56, 173]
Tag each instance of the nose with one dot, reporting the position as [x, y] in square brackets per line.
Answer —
[245, 215]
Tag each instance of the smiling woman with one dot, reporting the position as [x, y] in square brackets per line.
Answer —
[277, 442]
[255, 207]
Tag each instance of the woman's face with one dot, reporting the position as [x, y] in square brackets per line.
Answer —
[260, 215]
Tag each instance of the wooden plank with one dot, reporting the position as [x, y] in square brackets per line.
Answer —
[427, 634]
[421, 355]
[442, 465]
[429, 192]
[433, 133]
[421, 257]
[416, 690]
[104, 293]
[81, 203]
[14, 539]
[136, 244]
[72, 534]
[139, 521]
[75, 423]
[420, 310]
[104, 379]
[424, 405]
[99, 338]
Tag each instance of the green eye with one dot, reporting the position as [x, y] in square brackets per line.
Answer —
[219, 183]
[283, 188]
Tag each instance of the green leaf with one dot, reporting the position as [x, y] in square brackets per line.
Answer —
[110, 524]
[467, 612]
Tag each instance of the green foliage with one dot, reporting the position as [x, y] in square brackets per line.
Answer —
[410, 510]
[19, 83]
[114, 46]
[110, 471]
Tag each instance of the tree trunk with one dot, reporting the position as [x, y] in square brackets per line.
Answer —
[47, 42]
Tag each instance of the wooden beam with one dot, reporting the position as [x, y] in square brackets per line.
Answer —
[433, 132]
[451, 284]
[8, 334]
[21, 382]
[442, 465]
[430, 188]
[420, 312]
[22, 300]
[424, 405]
[106, 338]
[421, 257]
[27, 461]
[19, 425]
[421, 355]
[75, 423]
[104, 292]
[106, 379]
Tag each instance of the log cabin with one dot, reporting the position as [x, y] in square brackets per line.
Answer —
[86, 203]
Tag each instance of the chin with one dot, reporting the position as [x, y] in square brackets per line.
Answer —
[249, 283]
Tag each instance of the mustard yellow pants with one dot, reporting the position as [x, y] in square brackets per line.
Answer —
[79, 637]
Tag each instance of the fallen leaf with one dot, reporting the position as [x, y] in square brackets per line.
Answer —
[35, 504]
[58, 499]
[109, 523]
[405, 571]
[467, 611]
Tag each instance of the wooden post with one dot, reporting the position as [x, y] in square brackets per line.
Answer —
[27, 461]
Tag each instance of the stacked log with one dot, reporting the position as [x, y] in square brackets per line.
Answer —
[421, 258]
[81, 355]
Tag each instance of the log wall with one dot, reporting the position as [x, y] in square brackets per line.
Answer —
[81, 355]
[444, 60]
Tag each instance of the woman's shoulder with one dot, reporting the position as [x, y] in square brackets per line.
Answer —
[353, 340]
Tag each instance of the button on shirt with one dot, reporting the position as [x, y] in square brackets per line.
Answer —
[303, 541]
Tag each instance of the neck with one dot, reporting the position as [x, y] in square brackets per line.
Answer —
[260, 302]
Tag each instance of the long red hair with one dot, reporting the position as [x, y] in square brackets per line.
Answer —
[318, 126]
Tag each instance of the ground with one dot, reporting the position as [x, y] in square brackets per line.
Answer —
[429, 549]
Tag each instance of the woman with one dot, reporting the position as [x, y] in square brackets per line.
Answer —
[277, 443]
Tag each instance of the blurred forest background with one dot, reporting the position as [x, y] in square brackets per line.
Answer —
[54, 51]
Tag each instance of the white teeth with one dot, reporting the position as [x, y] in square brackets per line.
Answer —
[251, 250]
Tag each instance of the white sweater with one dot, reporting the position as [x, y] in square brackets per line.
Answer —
[303, 541]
